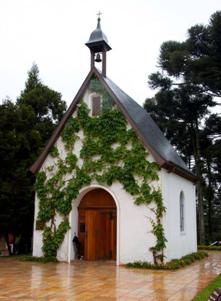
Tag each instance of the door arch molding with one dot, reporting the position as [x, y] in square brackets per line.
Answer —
[73, 219]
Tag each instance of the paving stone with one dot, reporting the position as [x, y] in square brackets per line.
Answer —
[81, 280]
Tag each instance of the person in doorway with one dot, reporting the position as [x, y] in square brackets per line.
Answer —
[77, 246]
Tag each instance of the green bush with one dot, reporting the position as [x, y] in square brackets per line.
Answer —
[38, 259]
[171, 265]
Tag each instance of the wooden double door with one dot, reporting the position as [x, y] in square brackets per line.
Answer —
[97, 226]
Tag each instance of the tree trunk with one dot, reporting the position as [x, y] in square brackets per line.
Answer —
[200, 209]
[210, 196]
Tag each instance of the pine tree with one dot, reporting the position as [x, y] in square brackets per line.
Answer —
[25, 127]
[189, 78]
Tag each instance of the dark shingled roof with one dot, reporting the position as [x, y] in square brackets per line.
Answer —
[147, 127]
[140, 120]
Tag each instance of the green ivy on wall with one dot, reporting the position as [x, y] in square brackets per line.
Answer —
[110, 153]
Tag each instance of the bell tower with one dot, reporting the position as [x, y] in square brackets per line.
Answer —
[98, 45]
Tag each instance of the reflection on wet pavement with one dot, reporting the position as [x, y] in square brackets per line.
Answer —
[81, 280]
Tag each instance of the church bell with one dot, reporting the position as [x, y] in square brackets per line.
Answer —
[98, 58]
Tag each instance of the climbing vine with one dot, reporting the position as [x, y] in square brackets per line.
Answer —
[110, 153]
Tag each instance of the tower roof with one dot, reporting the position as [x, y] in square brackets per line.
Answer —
[98, 41]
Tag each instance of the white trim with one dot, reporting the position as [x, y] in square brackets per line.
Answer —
[82, 193]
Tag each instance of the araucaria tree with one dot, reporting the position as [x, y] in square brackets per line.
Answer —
[188, 80]
[25, 126]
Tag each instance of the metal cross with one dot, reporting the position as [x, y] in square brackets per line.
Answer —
[99, 14]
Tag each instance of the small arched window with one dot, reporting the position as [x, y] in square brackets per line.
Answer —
[96, 105]
[182, 215]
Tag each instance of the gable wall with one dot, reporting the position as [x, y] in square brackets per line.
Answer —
[134, 237]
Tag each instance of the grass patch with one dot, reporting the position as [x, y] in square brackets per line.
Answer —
[171, 265]
[38, 259]
[209, 248]
[207, 291]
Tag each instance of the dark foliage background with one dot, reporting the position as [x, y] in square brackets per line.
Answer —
[188, 86]
[25, 126]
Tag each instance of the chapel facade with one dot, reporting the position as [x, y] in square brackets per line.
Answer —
[108, 176]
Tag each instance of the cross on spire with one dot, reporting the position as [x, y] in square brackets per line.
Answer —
[99, 14]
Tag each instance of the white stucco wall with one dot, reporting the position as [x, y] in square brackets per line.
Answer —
[179, 243]
[133, 226]
[37, 235]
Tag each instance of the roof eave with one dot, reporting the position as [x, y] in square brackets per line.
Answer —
[98, 45]
[171, 167]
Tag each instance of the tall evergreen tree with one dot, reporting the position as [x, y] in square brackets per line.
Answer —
[24, 129]
[46, 104]
[211, 152]
[189, 78]
[198, 59]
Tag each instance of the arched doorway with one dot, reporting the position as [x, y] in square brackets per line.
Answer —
[97, 225]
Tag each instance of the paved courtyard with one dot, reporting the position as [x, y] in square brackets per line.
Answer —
[102, 281]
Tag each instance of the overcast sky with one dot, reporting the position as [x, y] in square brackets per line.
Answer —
[52, 34]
